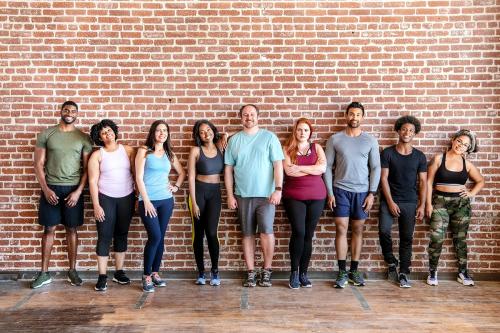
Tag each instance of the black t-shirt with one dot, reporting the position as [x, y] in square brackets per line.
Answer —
[403, 172]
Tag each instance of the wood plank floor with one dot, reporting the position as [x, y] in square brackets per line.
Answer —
[184, 307]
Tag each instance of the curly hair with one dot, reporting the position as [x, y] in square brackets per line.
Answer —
[407, 120]
[474, 146]
[196, 132]
[96, 129]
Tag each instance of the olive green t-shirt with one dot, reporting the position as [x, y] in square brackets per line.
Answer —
[63, 154]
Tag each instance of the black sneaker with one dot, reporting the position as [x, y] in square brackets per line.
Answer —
[392, 273]
[251, 280]
[294, 282]
[73, 278]
[120, 277]
[356, 278]
[102, 283]
[404, 282]
[342, 280]
[304, 281]
[265, 278]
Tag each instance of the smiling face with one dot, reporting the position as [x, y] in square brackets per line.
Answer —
[161, 133]
[302, 132]
[406, 133]
[69, 114]
[249, 117]
[107, 135]
[461, 144]
[206, 134]
[354, 117]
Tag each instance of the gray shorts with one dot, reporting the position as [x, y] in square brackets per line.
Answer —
[256, 215]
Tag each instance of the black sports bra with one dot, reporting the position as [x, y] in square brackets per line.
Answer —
[449, 178]
[210, 166]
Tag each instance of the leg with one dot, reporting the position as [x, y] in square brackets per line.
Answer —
[341, 225]
[249, 251]
[357, 238]
[164, 210]
[459, 225]
[438, 225]
[72, 240]
[314, 211]
[124, 212]
[47, 244]
[198, 227]
[296, 212]
[105, 232]
[265, 220]
[212, 223]
[385, 233]
[406, 223]
[152, 226]
[267, 244]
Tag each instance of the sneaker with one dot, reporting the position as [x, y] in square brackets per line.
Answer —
[40, 279]
[356, 278]
[342, 280]
[265, 278]
[201, 279]
[73, 278]
[464, 278]
[120, 277]
[392, 273]
[157, 280]
[215, 279]
[432, 278]
[101, 284]
[403, 281]
[251, 280]
[294, 282]
[304, 281]
[147, 284]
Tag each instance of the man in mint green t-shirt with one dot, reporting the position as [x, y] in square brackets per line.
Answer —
[254, 157]
[60, 152]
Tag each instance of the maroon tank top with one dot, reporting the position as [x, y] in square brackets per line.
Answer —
[309, 187]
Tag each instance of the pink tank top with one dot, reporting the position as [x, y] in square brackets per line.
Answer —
[115, 179]
[309, 187]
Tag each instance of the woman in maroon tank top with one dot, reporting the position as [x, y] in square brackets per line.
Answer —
[304, 195]
[448, 202]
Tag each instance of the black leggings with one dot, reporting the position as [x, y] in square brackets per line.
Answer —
[208, 199]
[303, 216]
[118, 214]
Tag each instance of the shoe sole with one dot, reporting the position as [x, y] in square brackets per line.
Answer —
[102, 289]
[265, 285]
[215, 284]
[119, 282]
[306, 286]
[250, 285]
[148, 291]
[404, 286]
[200, 283]
[432, 283]
[459, 280]
[42, 284]
[160, 285]
[75, 284]
[341, 286]
[357, 284]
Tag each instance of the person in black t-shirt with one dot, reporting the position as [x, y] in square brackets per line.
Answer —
[401, 165]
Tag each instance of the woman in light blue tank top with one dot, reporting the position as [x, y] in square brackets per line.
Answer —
[156, 203]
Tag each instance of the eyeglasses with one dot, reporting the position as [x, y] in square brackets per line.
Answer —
[463, 144]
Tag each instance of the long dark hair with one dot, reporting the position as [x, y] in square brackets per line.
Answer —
[196, 132]
[150, 141]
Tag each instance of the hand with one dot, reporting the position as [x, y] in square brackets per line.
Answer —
[196, 210]
[331, 202]
[275, 198]
[368, 203]
[428, 211]
[149, 209]
[394, 209]
[465, 193]
[231, 202]
[72, 198]
[420, 212]
[51, 196]
[99, 214]
[173, 188]
[293, 170]
[222, 143]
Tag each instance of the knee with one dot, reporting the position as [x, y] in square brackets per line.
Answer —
[49, 231]
[70, 231]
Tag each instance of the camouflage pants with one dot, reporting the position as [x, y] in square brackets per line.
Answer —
[456, 212]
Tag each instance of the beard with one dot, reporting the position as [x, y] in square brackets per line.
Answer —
[353, 124]
[68, 120]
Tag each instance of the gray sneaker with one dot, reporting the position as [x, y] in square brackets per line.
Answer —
[356, 278]
[404, 282]
[465, 279]
[158, 281]
[40, 279]
[265, 278]
[342, 280]
[147, 284]
[251, 280]
[73, 278]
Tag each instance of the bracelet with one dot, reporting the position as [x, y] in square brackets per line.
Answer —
[177, 187]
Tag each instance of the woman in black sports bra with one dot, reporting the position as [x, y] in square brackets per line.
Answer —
[448, 202]
[205, 165]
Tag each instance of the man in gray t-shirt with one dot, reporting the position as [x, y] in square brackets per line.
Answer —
[352, 176]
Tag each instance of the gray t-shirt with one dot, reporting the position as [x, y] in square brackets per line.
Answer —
[353, 163]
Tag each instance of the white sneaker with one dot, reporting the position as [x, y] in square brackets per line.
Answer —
[432, 278]
[465, 279]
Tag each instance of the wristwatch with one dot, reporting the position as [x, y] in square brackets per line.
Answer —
[278, 188]
[373, 192]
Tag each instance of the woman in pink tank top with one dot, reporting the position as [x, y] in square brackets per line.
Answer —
[112, 191]
[304, 195]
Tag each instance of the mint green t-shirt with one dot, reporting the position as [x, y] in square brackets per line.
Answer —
[63, 154]
[252, 157]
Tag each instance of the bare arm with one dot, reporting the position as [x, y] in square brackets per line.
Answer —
[291, 169]
[140, 162]
[478, 180]
[386, 190]
[431, 173]
[193, 157]
[422, 192]
[181, 175]
[94, 174]
[278, 181]
[229, 182]
[40, 155]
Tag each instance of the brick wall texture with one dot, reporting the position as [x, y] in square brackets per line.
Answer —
[138, 61]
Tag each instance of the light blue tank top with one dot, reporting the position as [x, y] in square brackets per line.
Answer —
[156, 170]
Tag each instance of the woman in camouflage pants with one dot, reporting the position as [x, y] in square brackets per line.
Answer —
[448, 202]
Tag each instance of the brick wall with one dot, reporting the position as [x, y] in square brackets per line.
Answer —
[137, 61]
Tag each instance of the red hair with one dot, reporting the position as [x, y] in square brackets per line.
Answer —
[292, 144]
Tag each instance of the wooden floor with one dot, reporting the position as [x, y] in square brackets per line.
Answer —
[184, 307]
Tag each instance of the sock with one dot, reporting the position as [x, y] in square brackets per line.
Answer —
[342, 265]
[354, 265]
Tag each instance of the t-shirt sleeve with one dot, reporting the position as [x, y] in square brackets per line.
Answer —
[384, 158]
[275, 151]
[422, 164]
[41, 140]
[228, 154]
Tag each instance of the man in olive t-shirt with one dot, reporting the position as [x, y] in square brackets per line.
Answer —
[59, 154]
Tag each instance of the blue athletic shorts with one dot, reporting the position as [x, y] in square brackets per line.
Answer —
[349, 204]
[51, 215]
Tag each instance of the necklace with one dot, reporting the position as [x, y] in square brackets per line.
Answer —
[304, 153]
